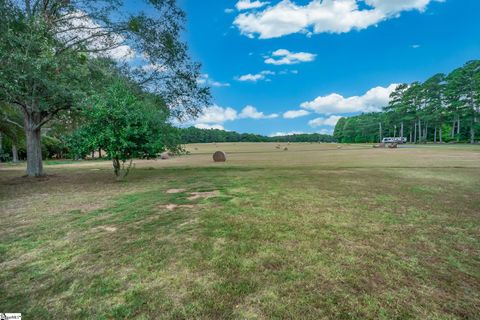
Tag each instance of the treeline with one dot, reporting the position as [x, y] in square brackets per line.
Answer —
[444, 108]
[55, 143]
[195, 135]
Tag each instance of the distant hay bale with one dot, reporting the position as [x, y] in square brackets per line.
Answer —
[393, 146]
[339, 147]
[165, 156]
[285, 149]
[278, 147]
[219, 156]
[380, 145]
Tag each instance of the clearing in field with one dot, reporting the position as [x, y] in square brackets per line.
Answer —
[314, 232]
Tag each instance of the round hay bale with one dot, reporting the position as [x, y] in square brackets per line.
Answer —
[393, 146]
[278, 147]
[285, 149]
[219, 156]
[165, 156]
[339, 147]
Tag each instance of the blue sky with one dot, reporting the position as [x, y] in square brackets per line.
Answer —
[321, 60]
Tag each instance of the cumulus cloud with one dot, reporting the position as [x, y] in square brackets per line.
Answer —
[256, 77]
[373, 100]
[205, 79]
[330, 121]
[248, 4]
[252, 113]
[292, 114]
[322, 16]
[283, 56]
[217, 114]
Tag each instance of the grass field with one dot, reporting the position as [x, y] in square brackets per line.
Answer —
[315, 232]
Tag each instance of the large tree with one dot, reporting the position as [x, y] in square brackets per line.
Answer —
[49, 49]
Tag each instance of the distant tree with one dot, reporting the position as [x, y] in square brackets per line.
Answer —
[463, 92]
[127, 125]
[11, 128]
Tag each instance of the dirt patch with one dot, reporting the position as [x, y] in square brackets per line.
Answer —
[172, 206]
[172, 191]
[205, 195]
[106, 228]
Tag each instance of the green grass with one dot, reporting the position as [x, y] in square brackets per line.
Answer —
[312, 233]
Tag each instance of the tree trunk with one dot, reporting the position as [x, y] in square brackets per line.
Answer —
[472, 132]
[435, 135]
[116, 167]
[34, 152]
[440, 132]
[100, 153]
[415, 134]
[401, 131]
[419, 131]
[458, 129]
[14, 153]
[1, 146]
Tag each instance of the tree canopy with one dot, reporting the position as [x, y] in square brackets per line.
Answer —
[443, 108]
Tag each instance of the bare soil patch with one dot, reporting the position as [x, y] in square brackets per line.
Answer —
[173, 206]
[205, 195]
[173, 191]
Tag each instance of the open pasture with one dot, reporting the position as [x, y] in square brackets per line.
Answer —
[320, 231]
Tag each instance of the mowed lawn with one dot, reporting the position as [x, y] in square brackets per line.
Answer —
[315, 232]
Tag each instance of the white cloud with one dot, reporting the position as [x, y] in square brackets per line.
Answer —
[283, 56]
[256, 77]
[209, 126]
[330, 121]
[326, 131]
[282, 134]
[205, 79]
[94, 37]
[248, 4]
[322, 16]
[415, 46]
[374, 100]
[286, 71]
[216, 114]
[252, 113]
[292, 114]
[229, 10]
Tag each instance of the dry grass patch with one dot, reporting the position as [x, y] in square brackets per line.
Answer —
[203, 195]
